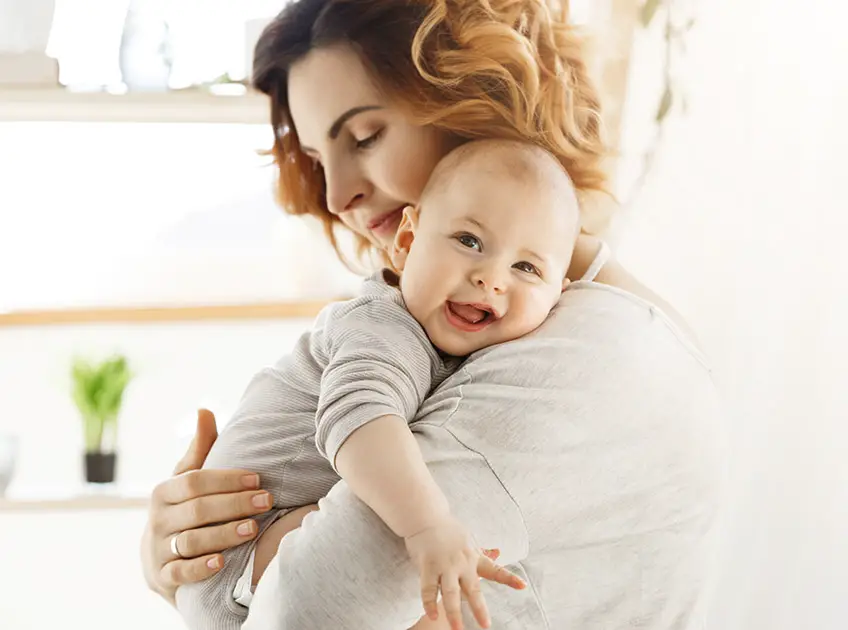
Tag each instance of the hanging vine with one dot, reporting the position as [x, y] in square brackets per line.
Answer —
[675, 29]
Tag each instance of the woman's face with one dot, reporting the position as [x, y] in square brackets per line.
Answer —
[375, 160]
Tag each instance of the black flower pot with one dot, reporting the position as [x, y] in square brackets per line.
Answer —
[100, 467]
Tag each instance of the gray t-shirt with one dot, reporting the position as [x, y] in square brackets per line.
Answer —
[363, 359]
[590, 452]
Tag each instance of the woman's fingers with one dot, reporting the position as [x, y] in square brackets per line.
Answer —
[470, 585]
[488, 570]
[204, 437]
[194, 543]
[451, 599]
[215, 508]
[200, 483]
[179, 572]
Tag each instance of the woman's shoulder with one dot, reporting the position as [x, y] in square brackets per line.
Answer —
[614, 276]
[601, 330]
[619, 313]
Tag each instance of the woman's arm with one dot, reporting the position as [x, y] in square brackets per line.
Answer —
[187, 504]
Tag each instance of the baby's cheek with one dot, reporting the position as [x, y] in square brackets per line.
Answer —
[532, 313]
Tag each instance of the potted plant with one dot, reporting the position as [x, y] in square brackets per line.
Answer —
[98, 390]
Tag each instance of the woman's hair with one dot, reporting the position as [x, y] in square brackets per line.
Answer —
[510, 69]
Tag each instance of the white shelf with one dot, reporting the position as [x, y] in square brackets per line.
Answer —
[74, 499]
[182, 106]
[72, 504]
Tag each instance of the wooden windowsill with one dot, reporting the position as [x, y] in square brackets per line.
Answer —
[179, 106]
[73, 503]
[301, 309]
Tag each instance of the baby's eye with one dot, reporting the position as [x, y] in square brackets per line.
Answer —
[527, 267]
[470, 241]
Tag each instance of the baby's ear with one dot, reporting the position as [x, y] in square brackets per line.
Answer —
[404, 238]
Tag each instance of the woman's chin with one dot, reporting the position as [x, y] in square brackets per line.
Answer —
[383, 243]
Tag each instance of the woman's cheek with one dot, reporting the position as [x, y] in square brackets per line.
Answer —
[411, 167]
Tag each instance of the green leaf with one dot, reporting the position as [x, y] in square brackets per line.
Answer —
[665, 104]
[649, 10]
[98, 392]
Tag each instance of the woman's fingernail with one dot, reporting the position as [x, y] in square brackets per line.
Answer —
[245, 529]
[262, 500]
[213, 563]
[250, 481]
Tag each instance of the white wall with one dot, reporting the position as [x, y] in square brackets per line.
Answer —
[77, 570]
[743, 227]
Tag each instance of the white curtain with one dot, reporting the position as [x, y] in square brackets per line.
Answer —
[743, 225]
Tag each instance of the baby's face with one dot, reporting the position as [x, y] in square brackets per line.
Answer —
[485, 260]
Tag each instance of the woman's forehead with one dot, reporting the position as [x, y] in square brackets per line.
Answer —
[323, 85]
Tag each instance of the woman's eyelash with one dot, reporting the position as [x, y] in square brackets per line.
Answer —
[369, 141]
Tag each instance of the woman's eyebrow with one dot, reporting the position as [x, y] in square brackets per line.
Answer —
[336, 127]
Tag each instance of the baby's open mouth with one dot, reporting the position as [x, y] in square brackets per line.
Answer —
[469, 317]
[469, 313]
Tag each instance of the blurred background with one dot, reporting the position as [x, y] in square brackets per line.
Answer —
[137, 224]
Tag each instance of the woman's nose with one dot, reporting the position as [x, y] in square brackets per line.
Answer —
[346, 186]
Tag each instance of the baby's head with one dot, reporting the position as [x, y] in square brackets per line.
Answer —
[483, 258]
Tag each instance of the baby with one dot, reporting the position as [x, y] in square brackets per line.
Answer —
[481, 261]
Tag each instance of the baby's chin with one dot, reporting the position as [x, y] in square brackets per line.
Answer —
[469, 343]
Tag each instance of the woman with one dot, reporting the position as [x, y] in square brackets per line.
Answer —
[586, 452]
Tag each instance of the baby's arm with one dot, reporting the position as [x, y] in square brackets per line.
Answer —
[383, 466]
[380, 367]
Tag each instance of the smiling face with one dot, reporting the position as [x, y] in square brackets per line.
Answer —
[375, 161]
[484, 257]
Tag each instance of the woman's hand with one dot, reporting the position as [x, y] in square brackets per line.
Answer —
[186, 505]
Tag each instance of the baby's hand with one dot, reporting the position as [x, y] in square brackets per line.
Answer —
[447, 560]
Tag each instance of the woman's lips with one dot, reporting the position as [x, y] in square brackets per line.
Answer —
[386, 224]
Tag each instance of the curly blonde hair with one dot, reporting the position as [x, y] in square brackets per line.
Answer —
[512, 69]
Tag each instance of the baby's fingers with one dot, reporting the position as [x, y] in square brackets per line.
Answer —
[488, 570]
[430, 593]
[451, 598]
[470, 584]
